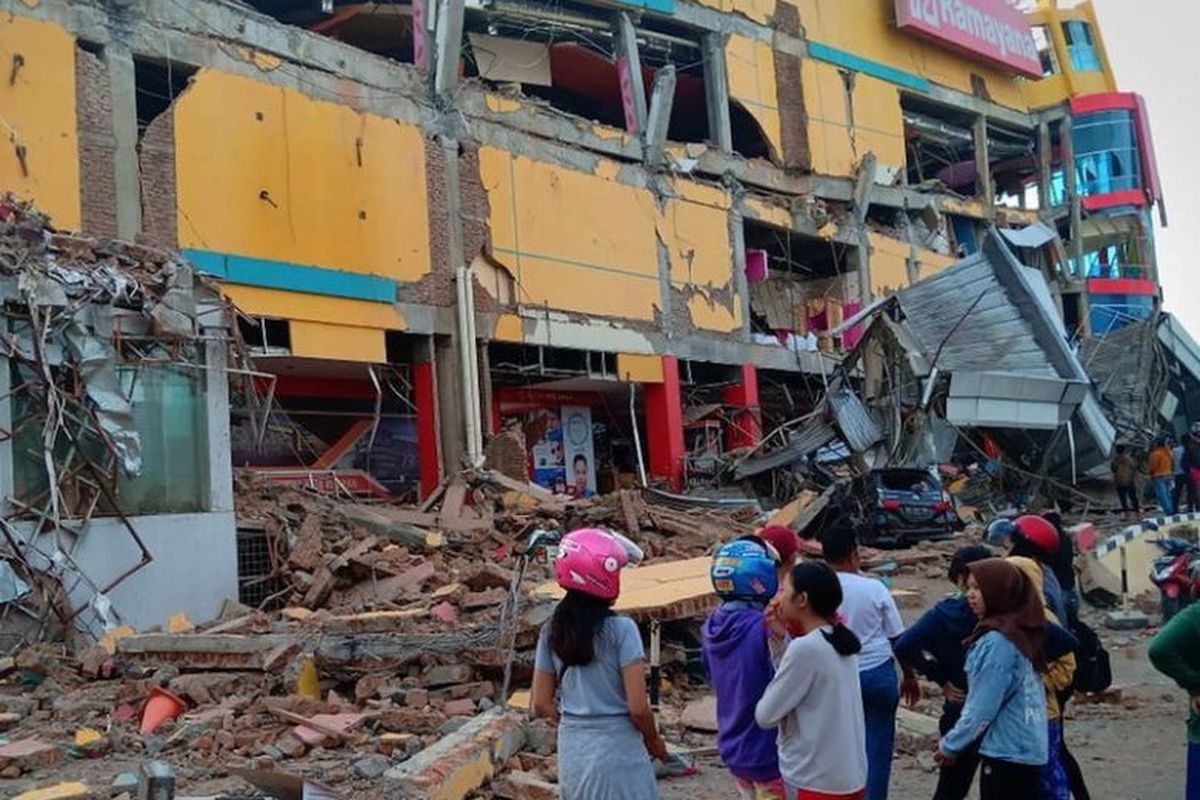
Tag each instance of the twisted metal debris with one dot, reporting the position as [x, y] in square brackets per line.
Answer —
[73, 311]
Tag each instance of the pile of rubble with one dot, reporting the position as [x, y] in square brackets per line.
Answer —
[389, 632]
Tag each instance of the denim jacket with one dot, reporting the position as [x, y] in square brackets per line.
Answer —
[1006, 705]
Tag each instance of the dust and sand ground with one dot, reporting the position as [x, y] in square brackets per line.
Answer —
[1133, 749]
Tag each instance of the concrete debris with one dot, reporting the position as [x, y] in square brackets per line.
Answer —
[86, 320]
[382, 647]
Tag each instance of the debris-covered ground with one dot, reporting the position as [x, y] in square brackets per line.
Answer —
[378, 663]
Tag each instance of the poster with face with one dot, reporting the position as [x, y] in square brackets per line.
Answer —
[578, 451]
[544, 429]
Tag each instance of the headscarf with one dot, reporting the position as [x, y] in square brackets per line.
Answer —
[1012, 606]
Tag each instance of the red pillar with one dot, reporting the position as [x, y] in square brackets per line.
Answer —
[664, 426]
[428, 459]
[745, 429]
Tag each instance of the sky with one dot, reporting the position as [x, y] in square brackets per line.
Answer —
[1154, 51]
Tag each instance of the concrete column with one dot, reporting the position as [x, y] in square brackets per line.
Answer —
[983, 169]
[664, 426]
[448, 38]
[716, 90]
[1045, 164]
[450, 404]
[429, 464]
[629, 68]
[746, 430]
[216, 406]
[119, 61]
[737, 236]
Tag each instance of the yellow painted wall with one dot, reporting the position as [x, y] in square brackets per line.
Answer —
[37, 112]
[878, 125]
[758, 10]
[695, 229]
[347, 189]
[889, 258]
[587, 243]
[338, 342]
[867, 28]
[314, 308]
[751, 68]
[640, 368]
[575, 241]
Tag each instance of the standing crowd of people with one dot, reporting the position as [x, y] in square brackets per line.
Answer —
[810, 660]
[1174, 471]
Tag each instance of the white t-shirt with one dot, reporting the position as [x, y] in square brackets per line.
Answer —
[816, 702]
[870, 611]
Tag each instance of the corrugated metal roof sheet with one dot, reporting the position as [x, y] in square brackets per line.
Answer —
[811, 437]
[855, 421]
[990, 328]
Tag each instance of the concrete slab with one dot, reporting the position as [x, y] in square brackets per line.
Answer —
[458, 764]
[663, 591]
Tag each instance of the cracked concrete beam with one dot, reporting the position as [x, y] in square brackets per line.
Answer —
[630, 62]
[448, 46]
[716, 90]
[658, 118]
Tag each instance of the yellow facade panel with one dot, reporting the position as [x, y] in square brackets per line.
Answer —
[697, 239]
[889, 264]
[338, 342]
[576, 241]
[313, 308]
[769, 213]
[39, 143]
[639, 368]
[751, 67]
[508, 329]
[266, 171]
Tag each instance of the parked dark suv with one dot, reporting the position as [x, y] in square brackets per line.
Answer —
[902, 505]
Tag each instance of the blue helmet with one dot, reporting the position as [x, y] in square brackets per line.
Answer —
[745, 570]
[1000, 529]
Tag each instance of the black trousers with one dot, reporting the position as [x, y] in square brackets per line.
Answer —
[1128, 495]
[954, 781]
[1184, 485]
[1004, 780]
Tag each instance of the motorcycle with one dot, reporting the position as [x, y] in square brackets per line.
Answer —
[1176, 573]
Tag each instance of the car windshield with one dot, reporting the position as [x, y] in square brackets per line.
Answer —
[906, 481]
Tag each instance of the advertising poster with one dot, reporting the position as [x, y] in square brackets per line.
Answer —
[543, 430]
[578, 452]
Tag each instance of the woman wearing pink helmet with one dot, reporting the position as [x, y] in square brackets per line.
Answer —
[595, 661]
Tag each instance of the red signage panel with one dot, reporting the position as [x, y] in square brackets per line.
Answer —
[986, 30]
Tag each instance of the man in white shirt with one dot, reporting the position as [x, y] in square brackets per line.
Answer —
[870, 612]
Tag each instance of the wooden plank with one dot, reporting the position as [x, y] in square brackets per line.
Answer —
[397, 530]
[664, 591]
[456, 496]
[629, 511]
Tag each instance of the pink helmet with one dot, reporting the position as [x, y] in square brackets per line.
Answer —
[590, 561]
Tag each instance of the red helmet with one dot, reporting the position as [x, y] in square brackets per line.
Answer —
[1038, 531]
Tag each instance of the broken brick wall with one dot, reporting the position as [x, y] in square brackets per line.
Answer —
[156, 163]
[97, 145]
[790, 95]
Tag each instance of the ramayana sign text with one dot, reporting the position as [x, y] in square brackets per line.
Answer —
[989, 30]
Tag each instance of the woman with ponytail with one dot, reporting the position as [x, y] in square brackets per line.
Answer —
[814, 698]
[593, 660]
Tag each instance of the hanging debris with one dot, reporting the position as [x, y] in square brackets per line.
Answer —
[82, 321]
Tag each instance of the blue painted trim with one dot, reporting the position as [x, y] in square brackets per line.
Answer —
[290, 277]
[841, 58]
[659, 6]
